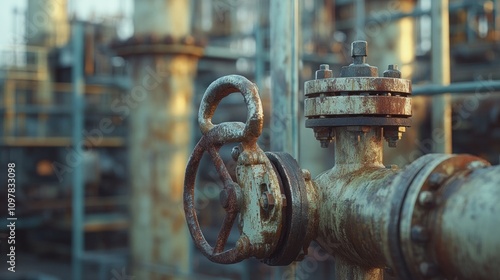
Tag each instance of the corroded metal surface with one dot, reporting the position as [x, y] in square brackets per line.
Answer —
[358, 97]
[357, 105]
[358, 85]
[352, 198]
[356, 121]
[467, 242]
[221, 88]
[450, 219]
[415, 222]
[392, 250]
[259, 224]
[294, 234]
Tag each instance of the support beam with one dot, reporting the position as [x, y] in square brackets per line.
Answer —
[285, 32]
[441, 105]
[78, 192]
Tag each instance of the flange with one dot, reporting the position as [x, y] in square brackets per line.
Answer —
[292, 240]
[358, 98]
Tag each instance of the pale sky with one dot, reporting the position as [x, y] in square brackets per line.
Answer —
[85, 9]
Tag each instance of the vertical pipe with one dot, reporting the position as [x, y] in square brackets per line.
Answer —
[78, 183]
[360, 19]
[161, 102]
[284, 21]
[441, 105]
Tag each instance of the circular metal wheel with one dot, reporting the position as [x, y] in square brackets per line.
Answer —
[259, 220]
[214, 137]
[292, 239]
[230, 200]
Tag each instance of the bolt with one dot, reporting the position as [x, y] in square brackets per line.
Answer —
[224, 198]
[306, 174]
[426, 199]
[429, 269]
[325, 143]
[436, 179]
[324, 72]
[476, 165]
[359, 51]
[235, 153]
[266, 200]
[392, 71]
[324, 135]
[393, 134]
[419, 234]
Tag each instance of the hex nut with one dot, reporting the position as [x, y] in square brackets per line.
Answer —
[324, 72]
[392, 71]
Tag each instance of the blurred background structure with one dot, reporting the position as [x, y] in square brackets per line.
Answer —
[97, 110]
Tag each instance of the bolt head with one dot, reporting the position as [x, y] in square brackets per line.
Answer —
[324, 72]
[393, 135]
[324, 135]
[393, 143]
[359, 48]
[324, 143]
[419, 234]
[436, 179]
[477, 165]
[426, 199]
[306, 174]
[392, 67]
[392, 71]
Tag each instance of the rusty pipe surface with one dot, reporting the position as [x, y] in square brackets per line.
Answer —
[421, 221]
[353, 197]
[465, 226]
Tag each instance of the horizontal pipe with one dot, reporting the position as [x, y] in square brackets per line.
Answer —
[466, 233]
[455, 88]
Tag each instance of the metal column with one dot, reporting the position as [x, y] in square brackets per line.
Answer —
[78, 193]
[441, 105]
[163, 58]
[285, 30]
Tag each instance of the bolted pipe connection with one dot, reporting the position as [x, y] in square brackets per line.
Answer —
[358, 98]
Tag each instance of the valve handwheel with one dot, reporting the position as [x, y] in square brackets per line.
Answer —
[235, 198]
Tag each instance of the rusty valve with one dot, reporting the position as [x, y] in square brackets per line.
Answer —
[258, 229]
